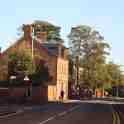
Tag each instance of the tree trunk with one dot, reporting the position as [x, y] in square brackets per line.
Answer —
[77, 70]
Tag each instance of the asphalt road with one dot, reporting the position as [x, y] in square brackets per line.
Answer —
[68, 113]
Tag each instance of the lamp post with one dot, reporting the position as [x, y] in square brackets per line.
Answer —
[28, 87]
[32, 35]
[26, 80]
[12, 78]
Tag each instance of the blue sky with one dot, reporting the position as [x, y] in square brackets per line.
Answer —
[107, 16]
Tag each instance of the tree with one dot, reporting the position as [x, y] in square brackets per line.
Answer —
[94, 63]
[87, 45]
[50, 31]
[41, 74]
[115, 73]
[20, 62]
[82, 38]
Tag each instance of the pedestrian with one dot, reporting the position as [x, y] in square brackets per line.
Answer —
[62, 95]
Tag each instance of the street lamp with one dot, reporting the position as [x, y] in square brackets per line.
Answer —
[28, 86]
[26, 80]
[12, 78]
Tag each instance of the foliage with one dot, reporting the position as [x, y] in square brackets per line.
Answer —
[115, 74]
[82, 38]
[88, 50]
[20, 62]
[52, 31]
[41, 74]
[89, 46]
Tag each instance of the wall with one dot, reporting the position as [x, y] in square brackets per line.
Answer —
[62, 77]
[51, 63]
[3, 67]
[52, 93]
[40, 94]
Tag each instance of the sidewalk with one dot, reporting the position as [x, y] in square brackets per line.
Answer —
[118, 99]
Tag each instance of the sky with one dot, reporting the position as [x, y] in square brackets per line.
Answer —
[106, 16]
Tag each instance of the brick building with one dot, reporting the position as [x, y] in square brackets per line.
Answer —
[54, 54]
[3, 67]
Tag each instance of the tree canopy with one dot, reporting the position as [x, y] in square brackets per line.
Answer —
[20, 61]
[21, 64]
[51, 31]
[89, 46]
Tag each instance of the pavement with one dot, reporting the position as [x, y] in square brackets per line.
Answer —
[69, 112]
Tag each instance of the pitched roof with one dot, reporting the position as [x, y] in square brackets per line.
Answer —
[50, 48]
[14, 44]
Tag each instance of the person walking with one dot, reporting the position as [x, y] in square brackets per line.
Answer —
[62, 95]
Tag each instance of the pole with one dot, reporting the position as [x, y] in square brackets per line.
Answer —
[32, 59]
[32, 43]
[117, 91]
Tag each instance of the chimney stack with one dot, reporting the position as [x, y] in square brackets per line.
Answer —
[27, 29]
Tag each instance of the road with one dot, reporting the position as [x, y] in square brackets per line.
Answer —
[66, 113]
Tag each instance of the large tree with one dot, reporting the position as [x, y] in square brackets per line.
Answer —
[88, 46]
[94, 64]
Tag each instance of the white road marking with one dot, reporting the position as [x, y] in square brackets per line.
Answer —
[74, 108]
[118, 118]
[12, 114]
[59, 115]
[115, 116]
[45, 121]
[63, 113]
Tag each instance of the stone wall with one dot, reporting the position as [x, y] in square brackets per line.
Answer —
[62, 77]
